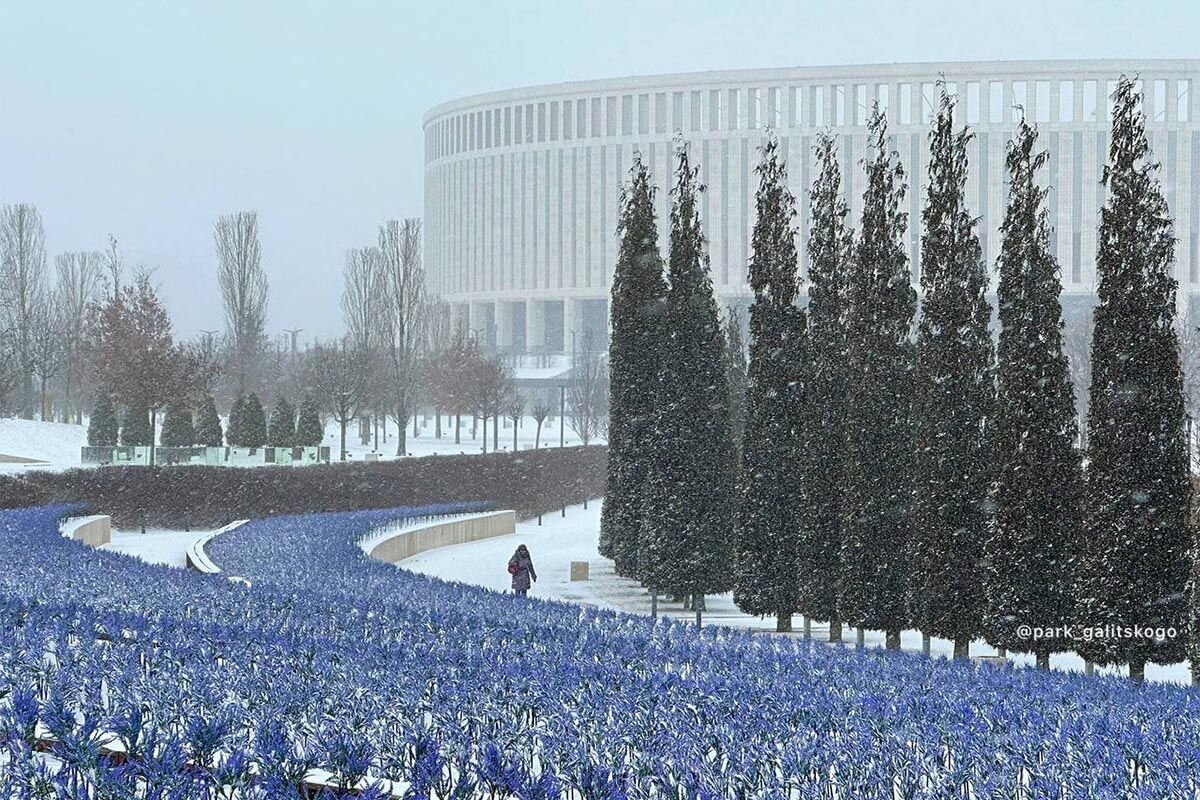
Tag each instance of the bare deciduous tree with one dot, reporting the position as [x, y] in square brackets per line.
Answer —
[77, 289]
[515, 410]
[244, 289]
[22, 290]
[540, 411]
[587, 394]
[335, 374]
[403, 318]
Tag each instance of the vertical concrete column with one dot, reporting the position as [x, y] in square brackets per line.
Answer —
[504, 324]
[569, 325]
[535, 325]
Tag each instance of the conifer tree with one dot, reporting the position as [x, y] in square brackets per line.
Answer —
[282, 429]
[638, 295]
[1135, 555]
[952, 402]
[689, 505]
[253, 422]
[208, 424]
[770, 494]
[309, 432]
[830, 249]
[177, 428]
[1032, 539]
[877, 495]
[103, 430]
[233, 429]
[135, 426]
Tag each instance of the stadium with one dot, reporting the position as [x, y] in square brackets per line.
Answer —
[522, 186]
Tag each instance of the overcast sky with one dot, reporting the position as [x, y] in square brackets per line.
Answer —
[148, 120]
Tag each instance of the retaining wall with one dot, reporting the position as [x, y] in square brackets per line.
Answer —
[403, 543]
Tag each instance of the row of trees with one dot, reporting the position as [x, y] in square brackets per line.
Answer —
[899, 472]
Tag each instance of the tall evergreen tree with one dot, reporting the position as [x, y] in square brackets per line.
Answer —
[770, 494]
[1134, 566]
[309, 431]
[233, 428]
[136, 430]
[735, 378]
[952, 402]
[830, 250]
[282, 429]
[177, 428]
[638, 296]
[103, 429]
[254, 422]
[877, 495]
[1032, 539]
[208, 424]
[689, 504]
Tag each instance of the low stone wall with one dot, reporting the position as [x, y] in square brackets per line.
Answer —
[407, 542]
[92, 531]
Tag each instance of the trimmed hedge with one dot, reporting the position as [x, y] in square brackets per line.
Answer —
[531, 482]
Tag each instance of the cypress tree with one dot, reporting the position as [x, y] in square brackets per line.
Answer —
[1036, 527]
[1135, 556]
[689, 506]
[638, 295]
[282, 430]
[103, 430]
[135, 426]
[877, 495]
[770, 494]
[830, 249]
[177, 428]
[309, 432]
[208, 424]
[952, 402]
[233, 430]
[253, 422]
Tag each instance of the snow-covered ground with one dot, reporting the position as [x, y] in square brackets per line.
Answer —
[155, 546]
[561, 540]
[31, 444]
[34, 445]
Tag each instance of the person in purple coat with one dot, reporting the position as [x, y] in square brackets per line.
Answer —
[520, 566]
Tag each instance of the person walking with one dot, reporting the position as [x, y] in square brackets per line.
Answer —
[520, 566]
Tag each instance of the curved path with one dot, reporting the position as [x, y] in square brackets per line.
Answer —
[561, 540]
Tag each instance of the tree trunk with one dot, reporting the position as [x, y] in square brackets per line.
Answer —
[1043, 659]
[401, 434]
[484, 435]
[437, 423]
[496, 433]
[514, 436]
[1089, 668]
[44, 409]
[783, 621]
[807, 627]
[925, 644]
[860, 637]
[892, 641]
[537, 437]
[835, 629]
[1001, 652]
[1137, 670]
[962, 649]
[653, 604]
[698, 603]
[474, 426]
[415, 434]
[153, 438]
[458, 428]
[342, 423]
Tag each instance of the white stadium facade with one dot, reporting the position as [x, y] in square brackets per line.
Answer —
[522, 186]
